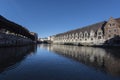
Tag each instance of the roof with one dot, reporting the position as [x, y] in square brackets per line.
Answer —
[93, 27]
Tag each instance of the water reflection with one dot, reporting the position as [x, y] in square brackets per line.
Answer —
[105, 59]
[11, 57]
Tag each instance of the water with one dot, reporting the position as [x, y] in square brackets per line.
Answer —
[59, 62]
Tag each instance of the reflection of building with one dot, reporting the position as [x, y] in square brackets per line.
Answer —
[11, 57]
[97, 57]
[96, 34]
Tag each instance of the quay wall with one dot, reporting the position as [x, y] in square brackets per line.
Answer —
[7, 40]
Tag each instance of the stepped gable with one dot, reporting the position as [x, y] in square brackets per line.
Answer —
[93, 27]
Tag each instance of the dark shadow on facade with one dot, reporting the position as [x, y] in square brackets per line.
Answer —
[115, 41]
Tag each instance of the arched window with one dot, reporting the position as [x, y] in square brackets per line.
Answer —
[109, 30]
[85, 34]
[99, 32]
[76, 35]
[91, 38]
[113, 24]
[70, 36]
[110, 25]
[81, 35]
[115, 30]
[109, 35]
[99, 37]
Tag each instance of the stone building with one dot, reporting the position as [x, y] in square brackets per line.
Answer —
[101, 33]
[12, 34]
[7, 26]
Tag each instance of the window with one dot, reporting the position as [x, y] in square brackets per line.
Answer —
[99, 37]
[85, 34]
[109, 25]
[81, 35]
[76, 34]
[99, 33]
[109, 35]
[115, 30]
[113, 24]
[109, 30]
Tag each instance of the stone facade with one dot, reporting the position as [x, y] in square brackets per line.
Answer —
[9, 40]
[102, 33]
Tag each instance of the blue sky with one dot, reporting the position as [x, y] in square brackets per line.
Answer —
[49, 17]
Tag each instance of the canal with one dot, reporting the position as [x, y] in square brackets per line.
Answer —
[59, 62]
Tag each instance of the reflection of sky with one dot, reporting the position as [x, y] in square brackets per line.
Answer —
[46, 65]
[49, 17]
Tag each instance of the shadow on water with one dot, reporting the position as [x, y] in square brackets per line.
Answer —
[104, 59]
[12, 56]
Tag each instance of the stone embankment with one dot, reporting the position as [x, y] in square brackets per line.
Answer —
[13, 40]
